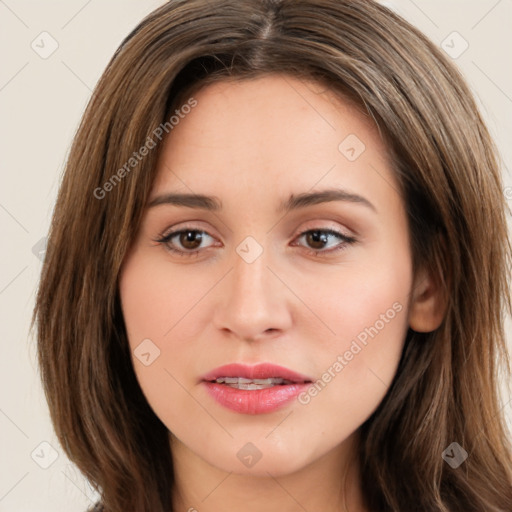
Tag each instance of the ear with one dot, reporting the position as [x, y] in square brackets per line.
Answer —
[428, 303]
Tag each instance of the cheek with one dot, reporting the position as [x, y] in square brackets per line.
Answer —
[153, 311]
[359, 298]
[154, 300]
[366, 308]
[357, 367]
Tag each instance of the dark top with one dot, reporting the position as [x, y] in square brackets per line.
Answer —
[98, 507]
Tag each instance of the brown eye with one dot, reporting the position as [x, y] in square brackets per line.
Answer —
[317, 241]
[190, 239]
[184, 242]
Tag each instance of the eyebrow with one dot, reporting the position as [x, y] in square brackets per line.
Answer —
[294, 202]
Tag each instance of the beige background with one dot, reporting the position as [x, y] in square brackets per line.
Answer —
[41, 101]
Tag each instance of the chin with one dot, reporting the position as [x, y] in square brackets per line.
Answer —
[261, 460]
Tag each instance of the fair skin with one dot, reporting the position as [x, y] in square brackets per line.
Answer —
[251, 145]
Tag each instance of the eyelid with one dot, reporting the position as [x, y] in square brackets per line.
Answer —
[184, 226]
[170, 233]
[345, 239]
[328, 226]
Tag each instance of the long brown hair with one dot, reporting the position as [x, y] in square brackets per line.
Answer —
[445, 389]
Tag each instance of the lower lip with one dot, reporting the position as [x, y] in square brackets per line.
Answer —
[254, 401]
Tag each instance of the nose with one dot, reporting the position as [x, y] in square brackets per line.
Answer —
[254, 301]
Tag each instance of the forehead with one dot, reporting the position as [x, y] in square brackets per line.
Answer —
[275, 131]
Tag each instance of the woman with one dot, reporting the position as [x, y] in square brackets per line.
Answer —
[278, 268]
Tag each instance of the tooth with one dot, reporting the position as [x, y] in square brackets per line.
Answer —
[250, 386]
[268, 381]
[243, 380]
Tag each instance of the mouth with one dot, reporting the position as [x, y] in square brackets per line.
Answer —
[258, 389]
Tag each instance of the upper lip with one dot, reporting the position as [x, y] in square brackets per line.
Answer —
[258, 371]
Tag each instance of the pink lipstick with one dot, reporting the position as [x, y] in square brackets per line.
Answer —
[255, 389]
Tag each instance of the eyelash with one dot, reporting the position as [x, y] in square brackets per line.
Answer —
[166, 238]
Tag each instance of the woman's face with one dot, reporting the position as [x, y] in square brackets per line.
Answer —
[319, 286]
